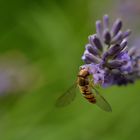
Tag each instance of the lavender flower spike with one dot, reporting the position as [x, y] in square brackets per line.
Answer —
[116, 27]
[106, 21]
[99, 28]
[94, 40]
[107, 55]
[107, 37]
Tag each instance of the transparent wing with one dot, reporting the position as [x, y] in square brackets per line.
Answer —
[101, 102]
[67, 97]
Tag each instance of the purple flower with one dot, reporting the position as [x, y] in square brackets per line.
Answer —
[96, 72]
[107, 56]
[128, 63]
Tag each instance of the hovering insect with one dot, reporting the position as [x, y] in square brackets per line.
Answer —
[88, 90]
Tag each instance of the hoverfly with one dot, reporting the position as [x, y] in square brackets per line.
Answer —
[88, 90]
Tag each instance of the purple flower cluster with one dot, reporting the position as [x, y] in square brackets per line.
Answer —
[107, 56]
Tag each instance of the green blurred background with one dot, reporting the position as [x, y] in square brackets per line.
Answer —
[41, 44]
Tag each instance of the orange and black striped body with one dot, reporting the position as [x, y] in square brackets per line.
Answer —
[84, 85]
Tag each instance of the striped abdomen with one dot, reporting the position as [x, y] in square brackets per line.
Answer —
[83, 82]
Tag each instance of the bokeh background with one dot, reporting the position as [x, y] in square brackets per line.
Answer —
[41, 44]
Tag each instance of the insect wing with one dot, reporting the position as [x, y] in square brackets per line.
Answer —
[67, 97]
[101, 102]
